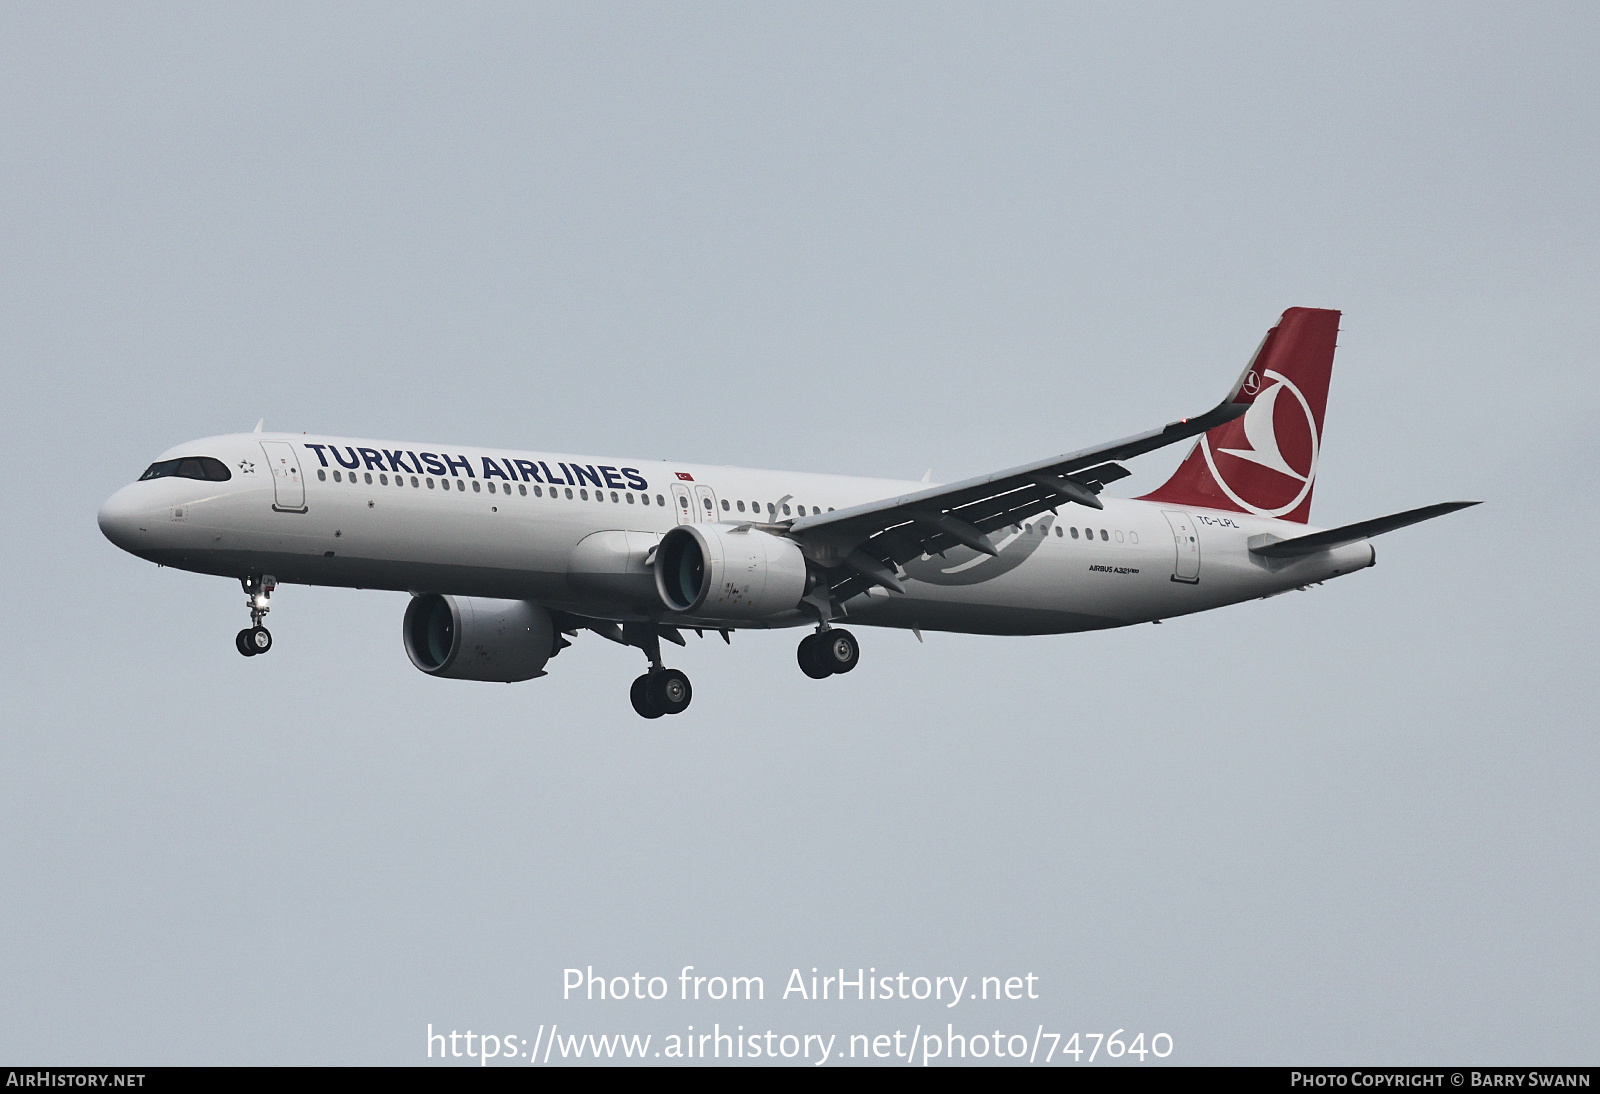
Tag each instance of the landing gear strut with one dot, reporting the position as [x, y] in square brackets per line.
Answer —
[661, 690]
[255, 638]
[829, 651]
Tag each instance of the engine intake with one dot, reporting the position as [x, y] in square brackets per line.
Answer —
[470, 638]
[714, 571]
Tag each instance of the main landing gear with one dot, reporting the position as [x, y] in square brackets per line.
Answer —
[827, 652]
[661, 690]
[255, 638]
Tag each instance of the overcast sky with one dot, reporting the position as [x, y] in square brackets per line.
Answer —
[1354, 825]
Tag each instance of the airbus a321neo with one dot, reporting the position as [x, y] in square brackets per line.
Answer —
[509, 554]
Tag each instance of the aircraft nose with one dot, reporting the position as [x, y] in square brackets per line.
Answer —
[120, 519]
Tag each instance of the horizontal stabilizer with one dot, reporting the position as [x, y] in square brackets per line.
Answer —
[1269, 546]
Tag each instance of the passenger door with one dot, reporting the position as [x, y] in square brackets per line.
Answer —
[288, 490]
[1186, 567]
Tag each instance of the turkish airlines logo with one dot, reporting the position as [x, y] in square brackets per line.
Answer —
[1280, 435]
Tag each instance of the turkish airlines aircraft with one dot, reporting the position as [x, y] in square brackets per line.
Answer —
[508, 554]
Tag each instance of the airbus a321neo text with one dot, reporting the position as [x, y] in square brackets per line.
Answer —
[509, 554]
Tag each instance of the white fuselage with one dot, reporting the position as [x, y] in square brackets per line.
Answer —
[535, 526]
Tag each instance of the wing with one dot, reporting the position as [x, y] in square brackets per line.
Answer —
[863, 545]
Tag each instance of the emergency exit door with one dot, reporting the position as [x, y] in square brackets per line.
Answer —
[683, 503]
[705, 500]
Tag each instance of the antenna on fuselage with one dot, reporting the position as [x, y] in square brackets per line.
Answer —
[261, 422]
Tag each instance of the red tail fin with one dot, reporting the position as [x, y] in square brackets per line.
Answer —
[1266, 461]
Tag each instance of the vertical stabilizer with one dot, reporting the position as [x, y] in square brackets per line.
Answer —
[1265, 462]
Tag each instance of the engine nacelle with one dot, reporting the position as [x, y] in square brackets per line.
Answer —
[714, 571]
[469, 638]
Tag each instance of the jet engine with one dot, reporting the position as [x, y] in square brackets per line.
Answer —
[722, 571]
[469, 638]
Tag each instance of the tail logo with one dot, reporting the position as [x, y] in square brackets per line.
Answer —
[1270, 495]
[1252, 383]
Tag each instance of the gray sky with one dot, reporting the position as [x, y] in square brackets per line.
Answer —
[1354, 825]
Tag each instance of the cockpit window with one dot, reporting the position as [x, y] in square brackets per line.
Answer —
[189, 467]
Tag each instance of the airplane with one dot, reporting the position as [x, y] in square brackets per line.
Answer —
[508, 555]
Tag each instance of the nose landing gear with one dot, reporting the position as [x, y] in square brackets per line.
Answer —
[255, 638]
[828, 652]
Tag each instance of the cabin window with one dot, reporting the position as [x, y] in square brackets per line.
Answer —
[1133, 537]
[1059, 532]
[785, 510]
[660, 500]
[1119, 537]
[477, 487]
[383, 480]
[368, 476]
[724, 505]
[708, 503]
[322, 476]
[741, 507]
[461, 485]
[429, 481]
[629, 497]
[683, 502]
[1074, 533]
[1103, 535]
[522, 490]
[613, 496]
